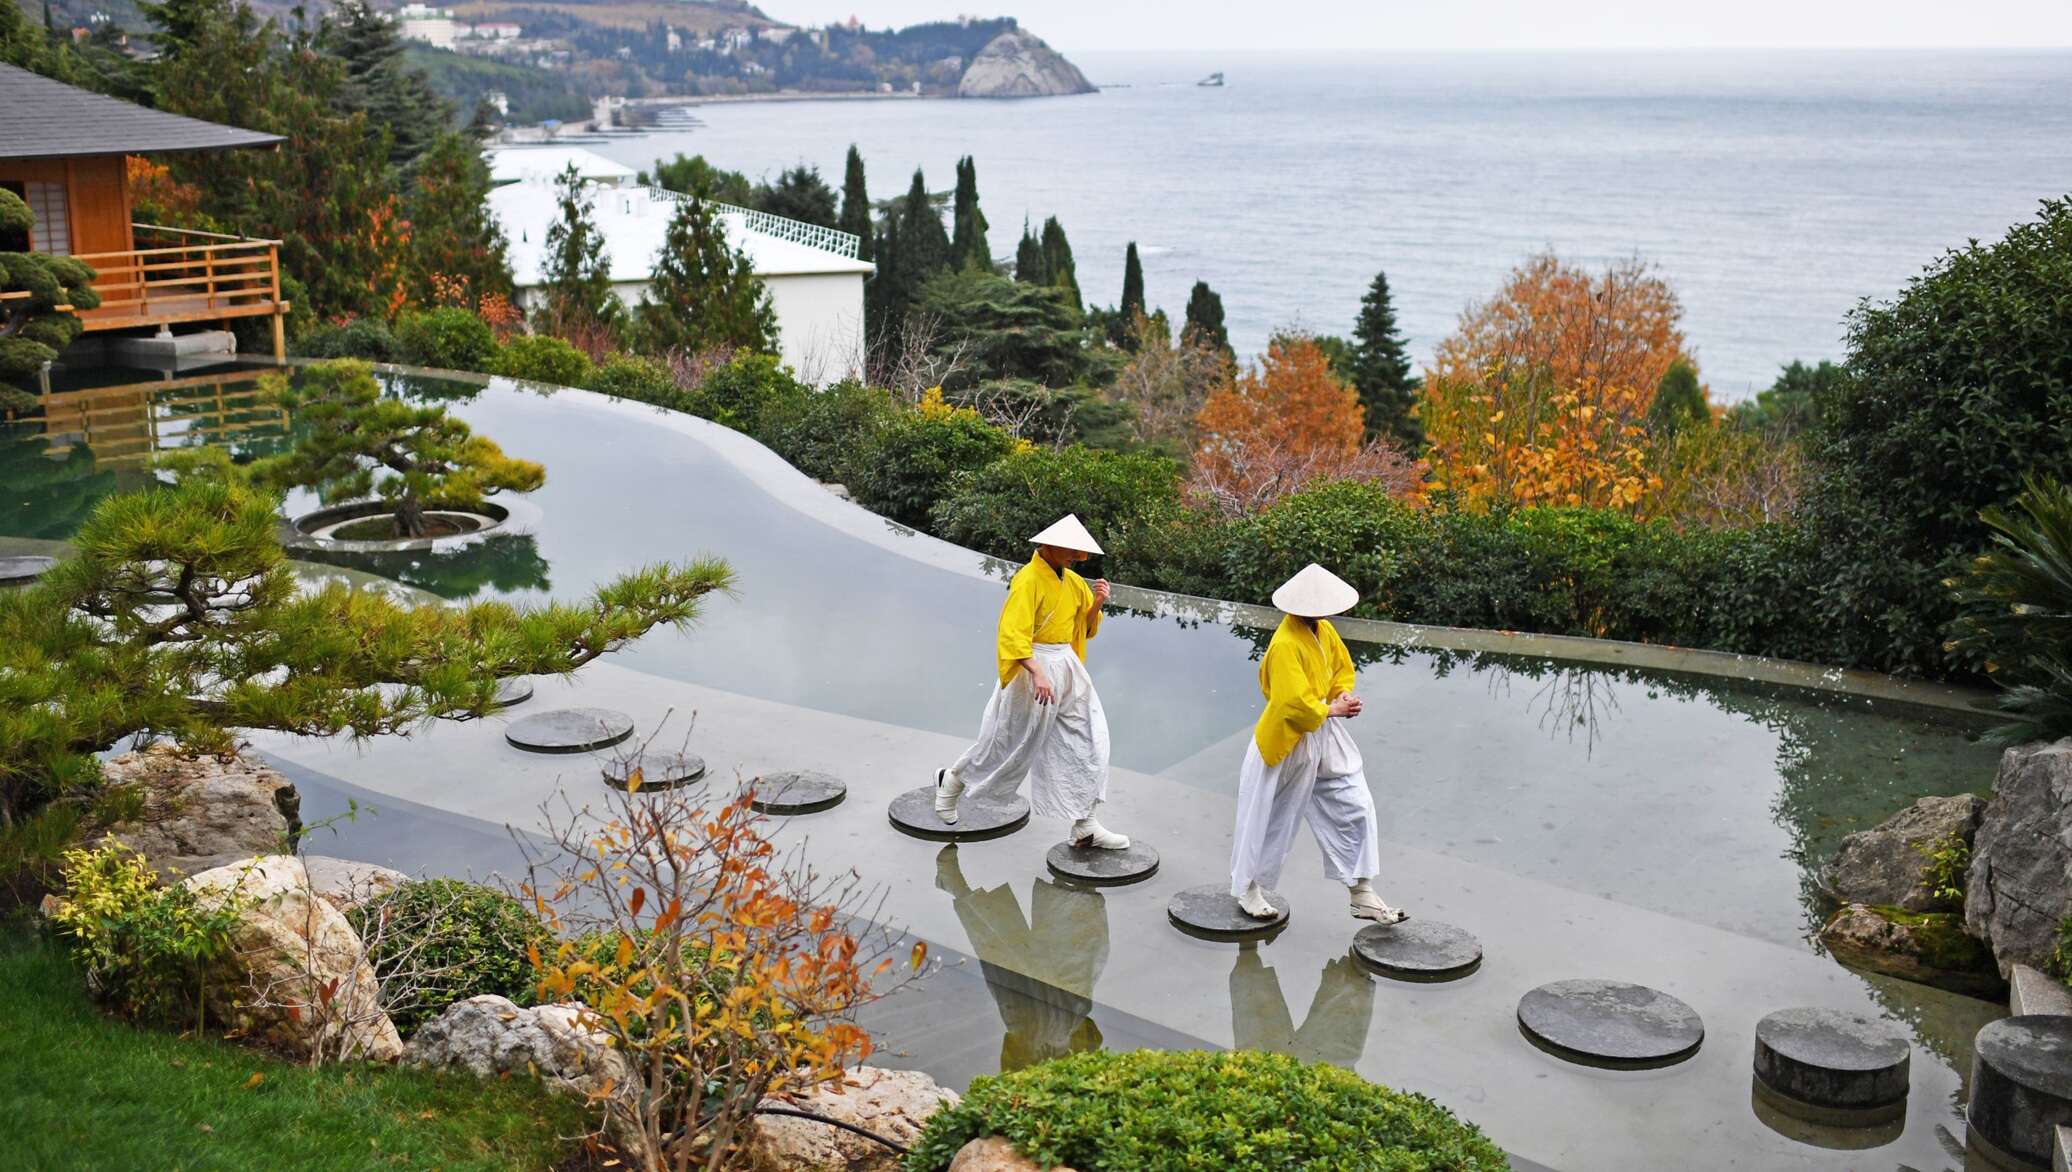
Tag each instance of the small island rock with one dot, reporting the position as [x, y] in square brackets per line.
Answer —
[1888, 864]
[1016, 64]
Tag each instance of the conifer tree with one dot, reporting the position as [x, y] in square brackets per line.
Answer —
[578, 290]
[380, 83]
[1028, 259]
[1057, 261]
[855, 217]
[704, 294]
[799, 194]
[968, 247]
[1381, 370]
[452, 233]
[1132, 285]
[915, 247]
[1679, 400]
[1204, 325]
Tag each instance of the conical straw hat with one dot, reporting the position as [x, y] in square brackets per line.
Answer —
[1315, 593]
[1068, 533]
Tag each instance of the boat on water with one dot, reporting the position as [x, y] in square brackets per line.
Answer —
[1212, 80]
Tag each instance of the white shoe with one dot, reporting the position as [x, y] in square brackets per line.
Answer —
[1256, 905]
[1369, 906]
[1087, 832]
[947, 790]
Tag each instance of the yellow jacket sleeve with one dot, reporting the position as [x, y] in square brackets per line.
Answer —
[1343, 677]
[1017, 625]
[1091, 623]
[1289, 698]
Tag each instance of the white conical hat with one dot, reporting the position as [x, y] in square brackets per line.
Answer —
[1068, 533]
[1315, 593]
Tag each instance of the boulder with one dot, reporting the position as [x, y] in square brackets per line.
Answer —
[2020, 884]
[1018, 65]
[346, 883]
[1887, 864]
[296, 972]
[992, 1153]
[1930, 948]
[202, 812]
[893, 1103]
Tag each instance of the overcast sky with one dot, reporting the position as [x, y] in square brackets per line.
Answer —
[1232, 25]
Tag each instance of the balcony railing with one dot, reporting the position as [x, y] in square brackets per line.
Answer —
[128, 425]
[783, 228]
[193, 276]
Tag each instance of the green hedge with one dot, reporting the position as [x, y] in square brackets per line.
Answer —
[449, 337]
[1183, 1111]
[472, 938]
[546, 359]
[995, 508]
[366, 338]
[902, 464]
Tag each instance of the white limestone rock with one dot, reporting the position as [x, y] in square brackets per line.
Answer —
[202, 812]
[1016, 64]
[893, 1103]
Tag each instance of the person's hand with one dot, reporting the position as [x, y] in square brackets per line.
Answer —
[1347, 705]
[1043, 693]
[1101, 592]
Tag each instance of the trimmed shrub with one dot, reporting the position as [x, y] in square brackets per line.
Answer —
[459, 939]
[631, 377]
[543, 358]
[816, 433]
[997, 507]
[450, 338]
[367, 338]
[1244, 1111]
[902, 465]
[747, 391]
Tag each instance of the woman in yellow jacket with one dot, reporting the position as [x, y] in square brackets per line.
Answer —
[1044, 722]
[1299, 765]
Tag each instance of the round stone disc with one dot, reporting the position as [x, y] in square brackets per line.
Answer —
[658, 771]
[1844, 1068]
[2021, 1086]
[1610, 1023]
[1418, 950]
[914, 813]
[16, 570]
[804, 791]
[569, 730]
[1103, 868]
[1210, 911]
[513, 691]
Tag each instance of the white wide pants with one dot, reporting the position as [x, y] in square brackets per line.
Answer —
[1272, 800]
[1061, 747]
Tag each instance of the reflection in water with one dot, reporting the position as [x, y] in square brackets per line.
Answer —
[506, 564]
[1335, 1029]
[1040, 970]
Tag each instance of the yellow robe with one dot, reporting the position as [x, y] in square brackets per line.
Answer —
[1045, 606]
[1299, 676]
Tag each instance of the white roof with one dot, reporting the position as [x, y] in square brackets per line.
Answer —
[517, 164]
[634, 221]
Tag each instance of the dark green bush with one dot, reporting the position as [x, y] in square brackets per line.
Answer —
[997, 507]
[631, 377]
[747, 393]
[470, 939]
[544, 358]
[902, 465]
[365, 337]
[816, 433]
[1244, 1111]
[449, 338]
[2017, 618]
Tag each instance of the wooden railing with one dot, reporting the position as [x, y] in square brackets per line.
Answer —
[128, 425]
[202, 276]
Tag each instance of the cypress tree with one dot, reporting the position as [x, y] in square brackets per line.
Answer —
[1028, 259]
[1132, 285]
[1381, 368]
[704, 294]
[1057, 261]
[1205, 319]
[914, 248]
[1679, 400]
[968, 247]
[578, 288]
[855, 218]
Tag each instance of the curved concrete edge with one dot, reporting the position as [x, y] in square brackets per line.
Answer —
[802, 493]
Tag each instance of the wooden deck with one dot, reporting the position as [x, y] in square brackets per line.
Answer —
[198, 276]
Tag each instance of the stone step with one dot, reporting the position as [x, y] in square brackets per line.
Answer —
[2031, 990]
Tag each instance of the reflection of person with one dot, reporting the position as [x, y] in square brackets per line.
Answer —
[1301, 763]
[1041, 972]
[1335, 1030]
[1044, 722]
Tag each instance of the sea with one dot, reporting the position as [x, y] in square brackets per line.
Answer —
[1774, 190]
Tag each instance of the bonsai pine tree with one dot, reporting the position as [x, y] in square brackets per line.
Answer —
[1381, 369]
[180, 618]
[33, 329]
[704, 295]
[362, 442]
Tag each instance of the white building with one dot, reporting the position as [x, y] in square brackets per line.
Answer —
[812, 273]
[433, 26]
[544, 164]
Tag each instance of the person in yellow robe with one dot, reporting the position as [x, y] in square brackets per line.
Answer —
[1301, 764]
[1044, 722]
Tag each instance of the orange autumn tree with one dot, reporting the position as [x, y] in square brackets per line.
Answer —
[1541, 395]
[1283, 424]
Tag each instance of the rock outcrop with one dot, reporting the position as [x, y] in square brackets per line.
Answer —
[1018, 65]
[991, 1153]
[202, 812]
[2020, 885]
[1888, 864]
[296, 972]
[346, 883]
[1930, 948]
[893, 1103]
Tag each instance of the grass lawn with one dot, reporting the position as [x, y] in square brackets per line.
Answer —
[82, 1090]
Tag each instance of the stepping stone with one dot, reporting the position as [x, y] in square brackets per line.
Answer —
[569, 730]
[1212, 913]
[15, 571]
[1827, 1066]
[1095, 867]
[805, 791]
[658, 771]
[1610, 1024]
[514, 691]
[2021, 1089]
[1418, 950]
[914, 813]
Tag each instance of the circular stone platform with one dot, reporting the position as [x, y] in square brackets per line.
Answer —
[914, 813]
[1211, 912]
[2021, 1089]
[514, 691]
[1610, 1023]
[1827, 1066]
[1418, 950]
[1103, 868]
[658, 771]
[803, 791]
[569, 730]
[15, 571]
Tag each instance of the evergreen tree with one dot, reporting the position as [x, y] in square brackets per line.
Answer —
[1005, 329]
[1204, 325]
[968, 247]
[914, 249]
[36, 50]
[1132, 285]
[692, 175]
[799, 194]
[379, 83]
[1679, 400]
[856, 217]
[452, 234]
[1028, 259]
[578, 292]
[704, 295]
[1057, 261]
[1381, 370]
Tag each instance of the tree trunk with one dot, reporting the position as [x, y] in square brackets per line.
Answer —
[409, 516]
